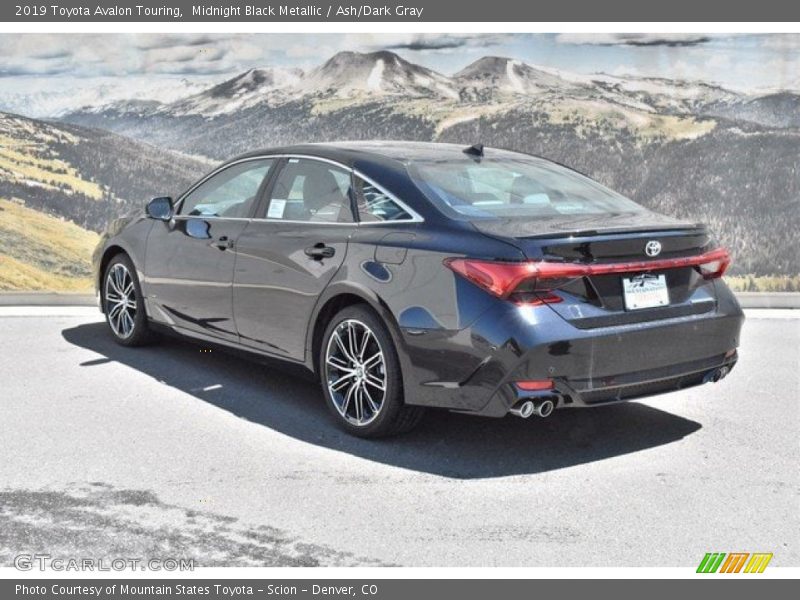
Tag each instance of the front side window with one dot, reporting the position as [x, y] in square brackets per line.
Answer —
[230, 193]
[375, 205]
[513, 186]
[311, 190]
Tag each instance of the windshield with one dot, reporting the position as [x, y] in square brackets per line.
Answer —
[513, 186]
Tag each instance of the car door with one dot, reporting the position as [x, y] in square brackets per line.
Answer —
[290, 252]
[190, 259]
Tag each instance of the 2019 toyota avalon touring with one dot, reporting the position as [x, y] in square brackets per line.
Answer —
[417, 275]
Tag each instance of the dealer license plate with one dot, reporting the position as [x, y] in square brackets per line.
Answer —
[645, 291]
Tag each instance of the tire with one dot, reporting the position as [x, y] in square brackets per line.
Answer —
[351, 373]
[123, 303]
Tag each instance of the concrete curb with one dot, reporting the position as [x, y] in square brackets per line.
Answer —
[47, 299]
[769, 299]
[747, 299]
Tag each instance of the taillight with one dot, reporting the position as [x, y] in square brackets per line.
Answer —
[715, 265]
[532, 281]
[516, 281]
[498, 278]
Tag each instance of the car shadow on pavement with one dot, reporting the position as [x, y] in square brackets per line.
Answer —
[445, 444]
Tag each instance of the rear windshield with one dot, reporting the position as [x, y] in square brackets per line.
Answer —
[513, 186]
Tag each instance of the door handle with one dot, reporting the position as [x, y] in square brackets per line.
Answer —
[320, 251]
[223, 242]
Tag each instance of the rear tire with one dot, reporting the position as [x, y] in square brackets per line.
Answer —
[123, 303]
[361, 378]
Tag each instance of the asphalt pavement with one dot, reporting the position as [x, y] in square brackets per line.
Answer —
[175, 451]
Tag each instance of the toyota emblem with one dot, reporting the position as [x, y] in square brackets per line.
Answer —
[652, 248]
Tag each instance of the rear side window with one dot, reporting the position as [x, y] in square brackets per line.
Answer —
[375, 205]
[513, 186]
[311, 190]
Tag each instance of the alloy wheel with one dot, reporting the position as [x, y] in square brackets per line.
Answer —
[355, 372]
[120, 300]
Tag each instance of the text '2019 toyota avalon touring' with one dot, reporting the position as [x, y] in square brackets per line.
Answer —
[419, 275]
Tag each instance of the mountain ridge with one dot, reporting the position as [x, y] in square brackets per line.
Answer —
[383, 73]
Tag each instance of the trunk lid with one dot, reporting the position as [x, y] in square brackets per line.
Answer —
[562, 226]
[601, 300]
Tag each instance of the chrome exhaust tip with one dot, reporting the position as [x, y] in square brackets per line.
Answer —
[543, 408]
[522, 409]
[528, 408]
[717, 374]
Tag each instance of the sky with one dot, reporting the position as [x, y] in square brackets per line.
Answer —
[42, 62]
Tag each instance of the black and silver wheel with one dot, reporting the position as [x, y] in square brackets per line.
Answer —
[122, 303]
[356, 372]
[361, 376]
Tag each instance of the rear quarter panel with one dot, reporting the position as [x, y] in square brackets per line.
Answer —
[399, 271]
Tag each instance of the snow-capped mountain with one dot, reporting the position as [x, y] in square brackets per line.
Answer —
[345, 75]
[665, 94]
[249, 88]
[379, 76]
[509, 76]
[350, 83]
[376, 73]
[486, 86]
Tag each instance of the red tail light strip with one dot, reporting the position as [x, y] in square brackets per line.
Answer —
[502, 278]
[535, 385]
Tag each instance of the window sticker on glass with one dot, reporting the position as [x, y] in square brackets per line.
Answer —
[276, 208]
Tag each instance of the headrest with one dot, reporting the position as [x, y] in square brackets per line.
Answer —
[525, 186]
[320, 189]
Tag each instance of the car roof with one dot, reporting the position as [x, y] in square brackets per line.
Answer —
[350, 152]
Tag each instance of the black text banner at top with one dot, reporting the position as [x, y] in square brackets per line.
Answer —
[452, 11]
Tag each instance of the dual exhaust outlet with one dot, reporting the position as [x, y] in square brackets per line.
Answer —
[528, 408]
[543, 407]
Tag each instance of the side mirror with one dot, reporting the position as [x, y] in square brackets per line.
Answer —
[160, 208]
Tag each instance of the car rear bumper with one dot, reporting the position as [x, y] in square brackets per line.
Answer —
[588, 367]
[574, 393]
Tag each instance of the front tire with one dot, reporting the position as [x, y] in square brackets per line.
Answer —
[361, 377]
[123, 303]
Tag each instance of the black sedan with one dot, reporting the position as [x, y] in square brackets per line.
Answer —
[418, 275]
